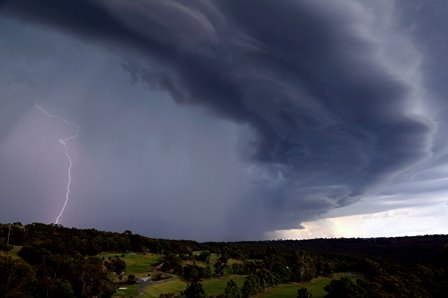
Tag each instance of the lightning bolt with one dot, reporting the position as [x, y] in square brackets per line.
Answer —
[63, 141]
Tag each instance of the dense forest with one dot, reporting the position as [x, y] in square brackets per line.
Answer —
[54, 261]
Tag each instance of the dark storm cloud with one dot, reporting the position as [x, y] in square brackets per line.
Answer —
[332, 120]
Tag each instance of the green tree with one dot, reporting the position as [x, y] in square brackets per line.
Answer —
[131, 279]
[248, 288]
[194, 290]
[64, 290]
[204, 256]
[116, 265]
[191, 273]
[16, 278]
[94, 279]
[232, 290]
[265, 278]
[303, 293]
[343, 287]
[172, 262]
[34, 255]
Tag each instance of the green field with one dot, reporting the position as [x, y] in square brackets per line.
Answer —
[140, 264]
[137, 264]
[129, 291]
[315, 286]
[213, 286]
[216, 286]
[14, 252]
[174, 285]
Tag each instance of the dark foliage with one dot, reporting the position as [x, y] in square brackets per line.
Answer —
[194, 290]
[303, 293]
[232, 290]
[61, 262]
[17, 278]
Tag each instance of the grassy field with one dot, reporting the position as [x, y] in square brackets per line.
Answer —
[230, 262]
[315, 286]
[14, 252]
[217, 286]
[213, 286]
[137, 264]
[127, 291]
[174, 285]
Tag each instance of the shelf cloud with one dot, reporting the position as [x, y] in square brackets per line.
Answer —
[289, 109]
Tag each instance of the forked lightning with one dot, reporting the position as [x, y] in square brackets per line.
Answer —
[64, 141]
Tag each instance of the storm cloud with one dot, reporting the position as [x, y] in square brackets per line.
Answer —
[291, 108]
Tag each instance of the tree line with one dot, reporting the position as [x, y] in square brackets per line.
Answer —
[63, 262]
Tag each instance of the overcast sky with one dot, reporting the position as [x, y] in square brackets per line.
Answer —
[226, 120]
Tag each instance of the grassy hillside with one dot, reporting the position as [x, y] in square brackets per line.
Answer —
[137, 264]
[315, 286]
[213, 286]
[14, 252]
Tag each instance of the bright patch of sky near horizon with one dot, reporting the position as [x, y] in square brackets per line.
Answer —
[411, 221]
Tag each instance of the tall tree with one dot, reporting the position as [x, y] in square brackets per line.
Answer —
[17, 278]
[232, 290]
[194, 290]
[303, 293]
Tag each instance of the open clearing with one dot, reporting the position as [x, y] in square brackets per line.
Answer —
[14, 252]
[138, 264]
[315, 286]
[213, 286]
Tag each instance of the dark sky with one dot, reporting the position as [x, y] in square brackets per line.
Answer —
[225, 120]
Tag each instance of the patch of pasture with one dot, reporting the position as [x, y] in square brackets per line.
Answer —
[315, 286]
[137, 264]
